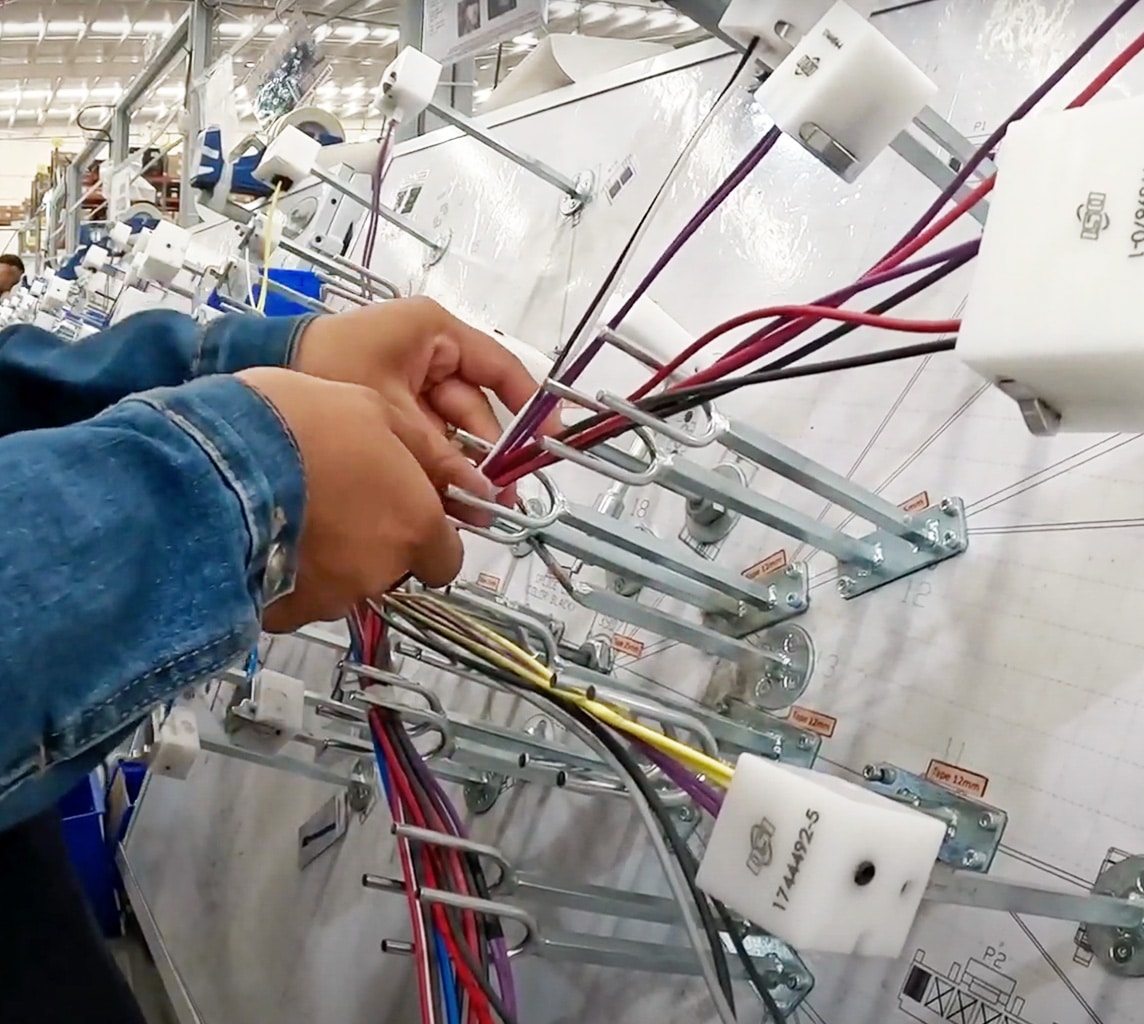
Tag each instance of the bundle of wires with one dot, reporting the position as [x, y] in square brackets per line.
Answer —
[438, 625]
[518, 456]
[458, 953]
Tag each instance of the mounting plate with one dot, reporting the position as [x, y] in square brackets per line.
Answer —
[585, 183]
[789, 594]
[949, 533]
[1120, 950]
[770, 737]
[973, 830]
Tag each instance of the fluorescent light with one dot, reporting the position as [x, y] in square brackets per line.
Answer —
[234, 28]
[111, 92]
[26, 114]
[65, 28]
[104, 28]
[561, 8]
[597, 11]
[322, 32]
[36, 94]
[151, 28]
[273, 29]
[355, 90]
[73, 93]
[170, 92]
[528, 39]
[385, 35]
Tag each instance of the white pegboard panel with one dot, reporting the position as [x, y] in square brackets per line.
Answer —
[1019, 662]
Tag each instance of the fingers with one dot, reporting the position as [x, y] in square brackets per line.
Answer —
[441, 462]
[437, 560]
[465, 406]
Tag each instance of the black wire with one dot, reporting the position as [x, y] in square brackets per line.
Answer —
[99, 131]
[900, 7]
[633, 238]
[753, 976]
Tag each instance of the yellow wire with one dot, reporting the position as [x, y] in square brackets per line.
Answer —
[539, 675]
[267, 249]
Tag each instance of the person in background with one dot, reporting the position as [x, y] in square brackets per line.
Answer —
[11, 272]
[167, 490]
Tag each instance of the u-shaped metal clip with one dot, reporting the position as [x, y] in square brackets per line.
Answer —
[629, 410]
[432, 721]
[505, 882]
[605, 466]
[489, 908]
[571, 394]
[528, 525]
[399, 682]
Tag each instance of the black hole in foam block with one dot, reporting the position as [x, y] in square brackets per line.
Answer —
[864, 875]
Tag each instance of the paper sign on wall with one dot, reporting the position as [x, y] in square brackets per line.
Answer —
[456, 29]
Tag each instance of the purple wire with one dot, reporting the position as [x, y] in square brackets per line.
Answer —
[543, 403]
[1034, 98]
[704, 794]
[497, 947]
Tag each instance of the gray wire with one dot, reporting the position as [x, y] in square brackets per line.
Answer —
[671, 868]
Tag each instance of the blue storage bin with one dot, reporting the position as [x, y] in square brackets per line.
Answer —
[305, 282]
[83, 811]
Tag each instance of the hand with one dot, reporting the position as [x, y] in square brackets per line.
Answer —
[429, 366]
[372, 515]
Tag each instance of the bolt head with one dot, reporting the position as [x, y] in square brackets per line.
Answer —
[686, 814]
[1122, 952]
[794, 601]
[988, 822]
[805, 743]
[845, 584]
[872, 773]
[950, 539]
[790, 572]
[973, 859]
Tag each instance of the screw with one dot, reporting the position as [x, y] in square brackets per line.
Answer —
[947, 506]
[686, 814]
[794, 600]
[973, 859]
[791, 572]
[949, 539]
[988, 822]
[1140, 883]
[845, 585]
[805, 743]
[877, 773]
[1122, 952]
[741, 609]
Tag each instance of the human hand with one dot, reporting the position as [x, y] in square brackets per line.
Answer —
[430, 366]
[372, 514]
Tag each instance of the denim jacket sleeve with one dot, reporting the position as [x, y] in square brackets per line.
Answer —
[46, 382]
[133, 560]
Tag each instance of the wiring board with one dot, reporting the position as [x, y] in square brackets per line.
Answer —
[1013, 673]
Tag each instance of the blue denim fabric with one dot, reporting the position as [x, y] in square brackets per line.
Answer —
[134, 543]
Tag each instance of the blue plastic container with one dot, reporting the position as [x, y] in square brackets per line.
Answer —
[305, 282]
[83, 811]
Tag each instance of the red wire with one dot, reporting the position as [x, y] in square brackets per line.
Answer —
[477, 999]
[529, 458]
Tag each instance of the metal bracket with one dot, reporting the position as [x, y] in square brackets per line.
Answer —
[481, 796]
[973, 830]
[585, 184]
[789, 595]
[787, 743]
[1041, 419]
[1119, 949]
[950, 531]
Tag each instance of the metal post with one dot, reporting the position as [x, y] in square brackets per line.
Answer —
[200, 38]
[531, 164]
[410, 32]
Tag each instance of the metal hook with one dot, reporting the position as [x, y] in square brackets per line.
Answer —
[507, 879]
[438, 723]
[608, 463]
[488, 908]
[398, 682]
[716, 424]
[528, 525]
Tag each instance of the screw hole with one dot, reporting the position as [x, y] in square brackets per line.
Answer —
[865, 873]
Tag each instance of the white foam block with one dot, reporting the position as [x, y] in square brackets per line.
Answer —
[408, 85]
[845, 91]
[778, 24]
[820, 862]
[163, 253]
[278, 701]
[176, 744]
[290, 157]
[1055, 298]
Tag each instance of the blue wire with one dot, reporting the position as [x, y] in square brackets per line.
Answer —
[448, 979]
[446, 973]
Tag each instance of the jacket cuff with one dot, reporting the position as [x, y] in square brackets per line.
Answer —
[257, 457]
[232, 343]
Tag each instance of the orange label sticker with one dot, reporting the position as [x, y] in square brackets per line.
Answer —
[917, 503]
[955, 778]
[626, 645]
[487, 581]
[764, 566]
[814, 721]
